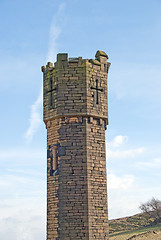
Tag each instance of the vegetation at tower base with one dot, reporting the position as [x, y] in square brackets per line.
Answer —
[152, 209]
[134, 227]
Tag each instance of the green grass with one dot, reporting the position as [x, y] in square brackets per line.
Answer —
[137, 231]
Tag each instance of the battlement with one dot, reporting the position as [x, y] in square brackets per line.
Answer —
[76, 86]
[100, 57]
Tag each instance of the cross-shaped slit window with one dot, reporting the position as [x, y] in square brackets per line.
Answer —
[97, 91]
[50, 92]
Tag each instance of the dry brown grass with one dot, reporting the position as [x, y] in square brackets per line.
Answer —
[137, 227]
[129, 223]
[151, 235]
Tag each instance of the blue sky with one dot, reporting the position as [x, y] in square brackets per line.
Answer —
[32, 33]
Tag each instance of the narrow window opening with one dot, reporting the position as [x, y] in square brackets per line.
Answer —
[53, 162]
[105, 67]
[51, 87]
[105, 124]
[96, 121]
[97, 94]
[54, 159]
[50, 91]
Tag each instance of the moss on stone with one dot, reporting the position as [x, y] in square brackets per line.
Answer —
[95, 62]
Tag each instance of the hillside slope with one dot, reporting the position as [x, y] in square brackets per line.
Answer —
[134, 228]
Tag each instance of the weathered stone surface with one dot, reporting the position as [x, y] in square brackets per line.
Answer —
[76, 115]
[101, 53]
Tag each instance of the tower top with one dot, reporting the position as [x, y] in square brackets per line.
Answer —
[76, 87]
[100, 57]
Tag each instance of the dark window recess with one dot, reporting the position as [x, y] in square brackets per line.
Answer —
[105, 124]
[53, 152]
[96, 121]
[61, 151]
[63, 62]
[53, 161]
[51, 87]
[98, 90]
[84, 119]
[97, 94]
[88, 120]
[105, 67]
[50, 92]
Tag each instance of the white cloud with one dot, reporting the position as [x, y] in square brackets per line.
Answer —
[131, 153]
[54, 34]
[22, 206]
[123, 182]
[122, 203]
[31, 172]
[36, 107]
[24, 158]
[125, 202]
[35, 117]
[117, 141]
[155, 163]
[21, 153]
[122, 195]
[55, 31]
[22, 183]
[21, 223]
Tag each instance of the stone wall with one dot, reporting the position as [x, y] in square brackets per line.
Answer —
[76, 115]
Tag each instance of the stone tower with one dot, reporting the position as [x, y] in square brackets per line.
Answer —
[76, 115]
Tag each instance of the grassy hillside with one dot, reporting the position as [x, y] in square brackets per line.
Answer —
[134, 227]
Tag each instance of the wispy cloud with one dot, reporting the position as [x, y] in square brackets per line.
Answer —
[35, 117]
[36, 107]
[55, 30]
[23, 223]
[22, 206]
[155, 163]
[113, 148]
[125, 153]
[22, 157]
[123, 182]
[117, 141]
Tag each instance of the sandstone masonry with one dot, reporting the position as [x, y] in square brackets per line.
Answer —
[76, 115]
